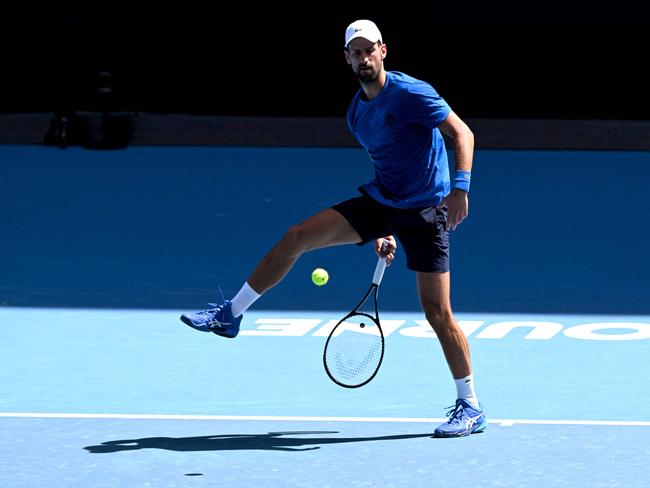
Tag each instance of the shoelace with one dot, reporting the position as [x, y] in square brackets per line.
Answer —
[211, 313]
[217, 307]
[455, 413]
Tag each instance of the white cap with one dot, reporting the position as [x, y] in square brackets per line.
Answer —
[362, 28]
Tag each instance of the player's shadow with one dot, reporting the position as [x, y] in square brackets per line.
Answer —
[273, 441]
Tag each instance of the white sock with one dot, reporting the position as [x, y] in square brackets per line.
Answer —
[243, 299]
[465, 389]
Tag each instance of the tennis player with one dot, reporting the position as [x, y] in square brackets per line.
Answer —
[413, 197]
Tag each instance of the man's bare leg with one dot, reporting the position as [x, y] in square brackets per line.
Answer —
[324, 229]
[433, 290]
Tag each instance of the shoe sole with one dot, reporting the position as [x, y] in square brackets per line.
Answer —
[227, 336]
[477, 430]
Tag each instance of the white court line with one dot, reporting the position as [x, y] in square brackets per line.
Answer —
[502, 422]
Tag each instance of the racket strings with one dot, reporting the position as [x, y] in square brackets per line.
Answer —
[354, 355]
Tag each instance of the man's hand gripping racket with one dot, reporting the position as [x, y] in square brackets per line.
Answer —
[355, 348]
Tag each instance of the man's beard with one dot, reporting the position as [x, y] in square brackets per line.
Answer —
[367, 76]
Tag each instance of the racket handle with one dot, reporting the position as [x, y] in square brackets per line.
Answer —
[379, 271]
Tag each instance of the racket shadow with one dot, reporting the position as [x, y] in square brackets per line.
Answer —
[272, 441]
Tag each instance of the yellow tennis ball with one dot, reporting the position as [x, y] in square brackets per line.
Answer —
[319, 276]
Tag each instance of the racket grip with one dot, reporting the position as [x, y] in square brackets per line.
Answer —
[379, 271]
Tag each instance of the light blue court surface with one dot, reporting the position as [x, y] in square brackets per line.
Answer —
[136, 398]
[102, 386]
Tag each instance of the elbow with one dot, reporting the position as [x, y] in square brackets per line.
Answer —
[465, 137]
[469, 134]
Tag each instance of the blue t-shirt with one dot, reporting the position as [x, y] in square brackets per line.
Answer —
[399, 130]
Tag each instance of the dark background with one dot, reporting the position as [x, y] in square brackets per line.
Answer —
[544, 60]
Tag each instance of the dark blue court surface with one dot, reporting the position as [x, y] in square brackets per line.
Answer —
[102, 386]
[162, 227]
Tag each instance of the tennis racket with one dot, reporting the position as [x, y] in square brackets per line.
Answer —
[355, 348]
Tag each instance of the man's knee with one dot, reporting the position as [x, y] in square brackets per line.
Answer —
[296, 238]
[439, 315]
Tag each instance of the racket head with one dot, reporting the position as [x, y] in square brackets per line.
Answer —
[354, 350]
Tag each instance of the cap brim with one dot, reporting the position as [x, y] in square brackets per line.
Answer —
[356, 36]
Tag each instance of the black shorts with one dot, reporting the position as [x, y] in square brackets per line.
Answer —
[420, 231]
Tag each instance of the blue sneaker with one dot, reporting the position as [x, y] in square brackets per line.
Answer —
[464, 419]
[218, 320]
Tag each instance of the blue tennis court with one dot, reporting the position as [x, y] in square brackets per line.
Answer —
[101, 385]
